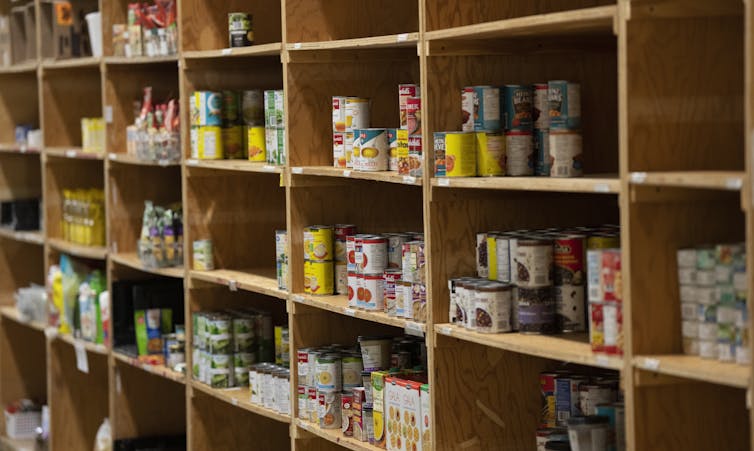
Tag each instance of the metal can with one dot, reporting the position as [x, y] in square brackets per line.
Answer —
[347, 413]
[543, 162]
[329, 372]
[415, 156]
[374, 149]
[330, 416]
[541, 107]
[352, 367]
[404, 166]
[206, 108]
[348, 148]
[460, 154]
[318, 243]
[519, 149]
[256, 143]
[404, 298]
[391, 277]
[564, 99]
[356, 150]
[502, 259]
[569, 279]
[357, 113]
[374, 292]
[592, 395]
[405, 92]
[493, 308]
[566, 154]
[602, 241]
[534, 263]
[482, 259]
[518, 107]
[233, 147]
[613, 327]
[274, 107]
[339, 150]
[343, 231]
[468, 109]
[203, 255]
[536, 310]
[373, 255]
[439, 154]
[360, 291]
[338, 114]
[352, 266]
[567, 397]
[611, 275]
[240, 29]
[194, 141]
[210, 143]
[319, 277]
[341, 278]
[395, 243]
[545, 435]
[491, 155]
[597, 325]
[487, 109]
[231, 108]
[414, 116]
[418, 311]
[392, 144]
[252, 107]
[302, 364]
[311, 393]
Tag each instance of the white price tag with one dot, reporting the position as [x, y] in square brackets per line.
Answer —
[413, 328]
[269, 168]
[70, 153]
[601, 188]
[402, 37]
[602, 360]
[297, 170]
[651, 364]
[226, 52]
[234, 401]
[23, 148]
[734, 183]
[297, 45]
[447, 330]
[298, 298]
[112, 156]
[51, 333]
[233, 285]
[346, 173]
[109, 114]
[350, 312]
[409, 179]
[118, 382]
[638, 177]
[443, 182]
[81, 361]
[192, 162]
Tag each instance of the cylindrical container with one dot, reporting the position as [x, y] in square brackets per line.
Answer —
[568, 256]
[233, 147]
[414, 116]
[353, 288]
[486, 108]
[493, 308]
[566, 153]
[564, 99]
[550, 435]
[252, 107]
[610, 271]
[319, 277]
[256, 145]
[519, 149]
[541, 108]
[231, 108]
[329, 372]
[374, 292]
[518, 107]
[303, 403]
[341, 278]
[567, 397]
[373, 255]
[468, 108]
[491, 155]
[391, 277]
[392, 144]
[330, 416]
[360, 291]
[210, 143]
[356, 150]
[240, 29]
[534, 263]
[357, 113]
[395, 243]
[460, 154]
[588, 433]
[502, 250]
[405, 92]
[338, 114]
[592, 395]
[352, 367]
[206, 108]
[542, 165]
[536, 310]
[547, 394]
[311, 393]
[492, 255]
[203, 256]
[194, 141]
[439, 149]
[302, 365]
[374, 149]
[318, 243]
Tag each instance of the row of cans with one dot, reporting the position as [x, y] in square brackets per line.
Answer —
[282, 252]
[237, 142]
[222, 370]
[228, 108]
[605, 300]
[552, 105]
[270, 387]
[235, 331]
[378, 149]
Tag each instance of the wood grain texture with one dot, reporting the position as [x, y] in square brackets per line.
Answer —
[204, 24]
[113, 12]
[67, 96]
[19, 103]
[20, 177]
[21, 264]
[66, 173]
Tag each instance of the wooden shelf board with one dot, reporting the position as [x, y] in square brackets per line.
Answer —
[88, 61]
[89, 346]
[11, 313]
[234, 165]
[593, 183]
[10, 444]
[157, 370]
[580, 21]
[15, 148]
[374, 42]
[20, 68]
[262, 281]
[239, 397]
[35, 237]
[122, 60]
[339, 304]
[77, 250]
[336, 436]
[123, 158]
[236, 52]
[723, 180]
[696, 368]
[381, 176]
[572, 348]
[73, 152]
[132, 261]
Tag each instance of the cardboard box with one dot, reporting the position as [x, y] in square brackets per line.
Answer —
[404, 418]
[378, 402]
[426, 426]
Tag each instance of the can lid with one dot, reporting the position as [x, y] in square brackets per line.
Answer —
[591, 419]
[557, 446]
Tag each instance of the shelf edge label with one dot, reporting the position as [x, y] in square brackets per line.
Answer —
[413, 328]
[638, 177]
[82, 363]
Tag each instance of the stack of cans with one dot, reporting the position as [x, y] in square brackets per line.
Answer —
[281, 257]
[349, 116]
[565, 144]
[274, 123]
[319, 267]
[270, 387]
[605, 298]
[518, 123]
[206, 109]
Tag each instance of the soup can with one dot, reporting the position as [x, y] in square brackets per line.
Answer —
[347, 413]
[233, 147]
[319, 277]
[391, 277]
[329, 374]
[374, 292]
[414, 115]
[405, 92]
[460, 154]
[357, 113]
[348, 146]
[395, 243]
[318, 243]
[536, 310]
[491, 157]
[252, 107]
[564, 99]
[404, 167]
[374, 255]
[356, 149]
[303, 402]
[439, 154]
[339, 150]
[374, 149]
[543, 161]
[566, 154]
[519, 150]
[518, 107]
[534, 263]
[338, 114]
[541, 106]
[360, 291]
[313, 409]
[256, 145]
[392, 144]
[415, 156]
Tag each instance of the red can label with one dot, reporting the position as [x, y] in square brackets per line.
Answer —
[413, 115]
[405, 92]
[611, 275]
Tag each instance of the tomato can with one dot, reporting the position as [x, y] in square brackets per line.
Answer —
[404, 166]
[206, 108]
[346, 410]
[392, 144]
[357, 113]
[374, 292]
[374, 149]
[330, 416]
[341, 278]
[543, 161]
[519, 149]
[414, 116]
[318, 243]
[360, 291]
[468, 109]
[439, 154]
[415, 156]
[210, 143]
[536, 310]
[564, 99]
[566, 154]
[541, 106]
[518, 107]
[374, 255]
[487, 100]
[460, 154]
[569, 279]
[256, 143]
[338, 114]
[353, 288]
[405, 92]
[319, 277]
[490, 148]
[252, 107]
[352, 266]
[534, 263]
[233, 143]
[339, 149]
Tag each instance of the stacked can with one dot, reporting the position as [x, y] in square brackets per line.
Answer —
[232, 131]
[274, 122]
[481, 108]
[342, 232]
[565, 143]
[411, 291]
[281, 257]
[349, 116]
[541, 130]
[413, 161]
[206, 110]
[319, 268]
[605, 297]
[518, 123]
[270, 387]
[370, 256]
[253, 118]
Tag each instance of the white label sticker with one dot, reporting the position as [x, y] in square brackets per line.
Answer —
[233, 285]
[409, 179]
[51, 333]
[81, 361]
[70, 153]
[402, 37]
[734, 183]
[602, 360]
[349, 312]
[234, 401]
[638, 177]
[163, 163]
[443, 182]
[118, 382]
[447, 330]
[601, 188]
[269, 168]
[346, 173]
[192, 162]
[113, 156]
[651, 364]
[109, 114]
[413, 328]
[297, 45]
[226, 52]
[297, 170]
[299, 298]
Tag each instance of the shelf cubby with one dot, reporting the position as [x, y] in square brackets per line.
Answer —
[68, 95]
[23, 263]
[20, 176]
[19, 104]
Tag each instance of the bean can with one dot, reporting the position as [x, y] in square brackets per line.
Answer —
[405, 92]
[536, 310]
[440, 154]
[460, 154]
[414, 115]
[491, 155]
[338, 114]
[256, 145]
[568, 256]
[392, 144]
[319, 277]
[518, 107]
[374, 149]
[541, 108]
[330, 416]
[564, 99]
[241, 33]
[566, 154]
[534, 263]
[543, 161]
[357, 113]
[493, 308]
[519, 152]
[318, 243]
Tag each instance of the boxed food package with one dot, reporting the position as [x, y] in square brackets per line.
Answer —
[378, 401]
[404, 416]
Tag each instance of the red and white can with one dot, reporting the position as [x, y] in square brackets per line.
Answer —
[338, 114]
[414, 115]
[341, 278]
[351, 253]
[611, 275]
[313, 404]
[406, 91]
[391, 276]
[415, 158]
[347, 410]
[395, 249]
[469, 108]
[373, 255]
[374, 292]
[303, 366]
[339, 150]
[353, 289]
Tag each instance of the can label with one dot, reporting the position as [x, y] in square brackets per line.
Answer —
[303, 403]
[318, 243]
[567, 398]
[491, 155]
[256, 144]
[611, 275]
[374, 292]
[468, 109]
[536, 310]
[329, 410]
[406, 91]
[353, 288]
[274, 103]
[373, 149]
[348, 146]
[210, 140]
[356, 150]
[395, 250]
[404, 166]
[440, 156]
[233, 147]
[392, 144]
[613, 327]
[391, 277]
[493, 311]
[206, 108]
[564, 101]
[252, 107]
[351, 254]
[520, 153]
[415, 156]
[240, 30]
[543, 165]
[547, 392]
[373, 255]
[597, 326]
[487, 104]
[338, 114]
[339, 150]
[534, 261]
[482, 266]
[460, 154]
[341, 278]
[318, 277]
[346, 408]
[194, 138]
[357, 113]
[566, 154]
[518, 107]
[231, 108]
[541, 106]
[502, 260]
[568, 256]
[414, 115]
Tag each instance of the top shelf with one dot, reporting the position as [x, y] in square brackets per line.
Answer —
[237, 52]
[372, 42]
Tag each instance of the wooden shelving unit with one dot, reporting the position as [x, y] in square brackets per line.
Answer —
[665, 157]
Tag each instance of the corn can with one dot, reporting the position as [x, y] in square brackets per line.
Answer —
[318, 243]
[357, 113]
[210, 143]
[543, 162]
[540, 107]
[460, 154]
[206, 108]
[490, 148]
[233, 147]
[520, 153]
[373, 149]
[403, 152]
[338, 114]
[439, 154]
[319, 277]
[518, 107]
[406, 91]
[392, 144]
[256, 143]
[339, 150]
[564, 99]
[566, 153]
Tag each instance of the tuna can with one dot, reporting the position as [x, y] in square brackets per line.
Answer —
[564, 101]
[439, 154]
[414, 116]
[348, 148]
[210, 143]
[374, 149]
[352, 367]
[252, 107]
[568, 256]
[206, 108]
[374, 255]
[357, 113]
[329, 372]
[338, 114]
[256, 143]
[566, 155]
[330, 416]
[534, 263]
[519, 152]
[536, 310]
[518, 107]
[346, 425]
[490, 148]
[487, 108]
[542, 165]
[318, 243]
[341, 278]
[313, 403]
[319, 277]
[493, 308]
[541, 108]
[405, 92]
[203, 256]
[392, 144]
[460, 154]
[241, 33]
[233, 147]
[468, 109]
[404, 167]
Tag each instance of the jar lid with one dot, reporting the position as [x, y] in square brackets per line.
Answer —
[591, 419]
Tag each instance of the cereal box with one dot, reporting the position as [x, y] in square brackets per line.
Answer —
[403, 407]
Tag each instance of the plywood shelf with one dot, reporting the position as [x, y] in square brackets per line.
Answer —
[157, 370]
[131, 260]
[262, 281]
[597, 183]
[234, 165]
[78, 250]
[572, 348]
[696, 368]
[23, 236]
[336, 436]
[123, 158]
[12, 314]
[239, 397]
[373, 42]
[10, 444]
[73, 153]
[29, 66]
[722, 180]
[381, 176]
[93, 348]
[85, 62]
[273, 48]
[16, 149]
[138, 60]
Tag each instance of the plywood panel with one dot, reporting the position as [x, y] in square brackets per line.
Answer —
[20, 177]
[67, 96]
[19, 103]
[204, 23]
[64, 173]
[21, 264]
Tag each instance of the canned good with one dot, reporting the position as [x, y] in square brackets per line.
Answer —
[567, 397]
[415, 156]
[414, 116]
[569, 279]
[536, 310]
[373, 293]
[318, 243]
[610, 271]
[547, 393]
[404, 167]
[274, 106]
[487, 109]
[252, 107]
[597, 325]
[373, 255]
[518, 107]
[330, 416]
[194, 141]
[534, 263]
[319, 277]
[541, 106]
[542, 165]
[373, 149]
[256, 145]
[460, 154]
[329, 372]
[338, 114]
[519, 149]
[613, 327]
[564, 99]
[482, 265]
[392, 144]
[219, 377]
[493, 307]
[491, 155]
[395, 243]
[352, 367]
[303, 403]
[233, 147]
[592, 395]
[240, 29]
[391, 277]
[203, 256]
[353, 288]
[439, 154]
[206, 108]
[406, 91]
[566, 153]
[275, 145]
[356, 149]
[357, 113]
[348, 146]
[210, 143]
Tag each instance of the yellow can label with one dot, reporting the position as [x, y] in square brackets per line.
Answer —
[490, 149]
[460, 154]
[318, 243]
[492, 257]
[404, 166]
[256, 144]
[210, 143]
[319, 277]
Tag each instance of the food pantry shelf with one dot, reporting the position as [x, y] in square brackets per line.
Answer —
[132, 261]
[572, 348]
[22, 236]
[696, 368]
[374, 42]
[725, 180]
[15, 148]
[10, 444]
[122, 60]
[380, 176]
[12, 314]
[239, 397]
[157, 370]
[254, 50]
[596, 183]
[262, 281]
[123, 158]
[78, 250]
[30, 66]
[336, 436]
[72, 152]
[234, 165]
[89, 346]
[89, 61]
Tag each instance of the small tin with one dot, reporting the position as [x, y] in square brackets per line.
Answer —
[241, 33]
[542, 165]
[256, 143]
[439, 154]
[519, 149]
[518, 107]
[491, 155]
[232, 138]
[564, 99]
[415, 156]
[566, 154]
[569, 280]
[541, 107]
[392, 144]
[231, 108]
[414, 116]
[210, 143]
[338, 114]
[460, 154]
[203, 256]
[373, 292]
[357, 113]
[318, 243]
[374, 149]
[319, 277]
[406, 91]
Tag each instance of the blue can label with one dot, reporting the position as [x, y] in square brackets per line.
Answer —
[564, 101]
[518, 107]
[439, 154]
[487, 105]
[542, 152]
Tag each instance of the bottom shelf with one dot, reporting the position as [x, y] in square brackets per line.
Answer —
[336, 436]
[239, 397]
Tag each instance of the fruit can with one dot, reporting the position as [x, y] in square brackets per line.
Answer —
[566, 154]
[240, 29]
[460, 154]
[492, 309]
[206, 108]
[406, 91]
[203, 256]
[330, 416]
[319, 277]
[536, 310]
[564, 101]
[569, 280]
[346, 425]
[374, 149]
[252, 107]
[318, 243]
[348, 148]
[543, 162]
[256, 143]
[210, 143]
[541, 106]
[357, 113]
[518, 107]
[439, 153]
[341, 278]
[519, 153]
[468, 109]
[415, 156]
[338, 114]
[534, 263]
[487, 109]
[491, 155]
[414, 116]
[392, 144]
[402, 143]
[233, 147]
[373, 255]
